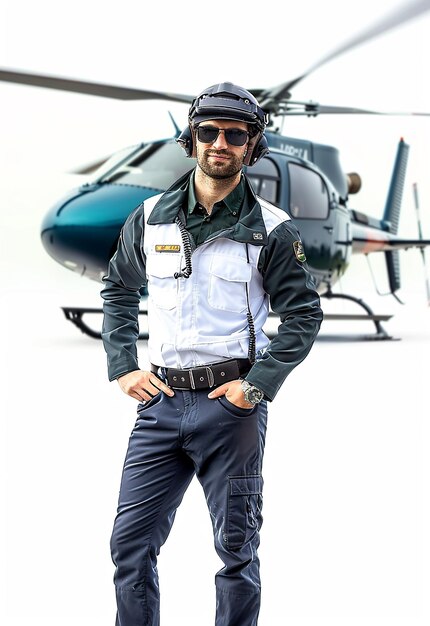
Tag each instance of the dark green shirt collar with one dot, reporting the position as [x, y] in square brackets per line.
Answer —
[233, 201]
[250, 227]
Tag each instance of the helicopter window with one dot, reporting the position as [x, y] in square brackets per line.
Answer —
[308, 194]
[157, 167]
[264, 177]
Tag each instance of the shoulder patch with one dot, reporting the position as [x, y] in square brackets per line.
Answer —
[299, 251]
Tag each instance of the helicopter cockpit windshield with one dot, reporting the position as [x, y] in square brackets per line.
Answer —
[156, 166]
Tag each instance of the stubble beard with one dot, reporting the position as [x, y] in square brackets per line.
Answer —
[220, 171]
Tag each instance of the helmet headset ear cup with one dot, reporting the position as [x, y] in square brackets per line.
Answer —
[185, 140]
[257, 148]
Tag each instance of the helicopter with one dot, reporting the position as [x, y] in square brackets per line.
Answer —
[303, 177]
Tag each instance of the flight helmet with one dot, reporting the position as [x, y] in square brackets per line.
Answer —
[225, 101]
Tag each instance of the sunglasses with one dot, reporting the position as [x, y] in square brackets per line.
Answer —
[233, 136]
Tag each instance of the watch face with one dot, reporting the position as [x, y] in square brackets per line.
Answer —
[254, 395]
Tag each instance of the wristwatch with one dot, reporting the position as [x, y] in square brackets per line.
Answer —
[252, 394]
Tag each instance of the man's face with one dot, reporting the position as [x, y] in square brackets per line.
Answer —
[218, 158]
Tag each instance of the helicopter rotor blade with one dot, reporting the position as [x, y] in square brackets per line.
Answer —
[312, 109]
[353, 110]
[271, 99]
[409, 10]
[89, 88]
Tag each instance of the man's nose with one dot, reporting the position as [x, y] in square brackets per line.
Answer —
[220, 142]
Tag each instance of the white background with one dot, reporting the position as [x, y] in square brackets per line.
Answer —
[347, 474]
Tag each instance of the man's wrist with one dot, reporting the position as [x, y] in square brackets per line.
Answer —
[252, 394]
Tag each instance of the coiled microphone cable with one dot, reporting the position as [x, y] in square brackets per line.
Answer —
[251, 325]
[187, 270]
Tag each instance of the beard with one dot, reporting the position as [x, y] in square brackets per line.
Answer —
[220, 170]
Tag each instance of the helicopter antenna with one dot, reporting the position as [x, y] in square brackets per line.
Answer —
[420, 234]
[176, 127]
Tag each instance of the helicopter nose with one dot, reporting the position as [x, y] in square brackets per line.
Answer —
[80, 232]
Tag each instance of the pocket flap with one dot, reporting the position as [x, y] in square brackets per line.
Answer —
[246, 485]
[231, 268]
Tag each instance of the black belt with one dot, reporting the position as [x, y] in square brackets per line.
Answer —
[205, 376]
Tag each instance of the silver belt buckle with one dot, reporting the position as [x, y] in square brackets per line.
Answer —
[210, 375]
[192, 383]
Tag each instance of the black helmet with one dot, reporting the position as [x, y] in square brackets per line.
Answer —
[226, 101]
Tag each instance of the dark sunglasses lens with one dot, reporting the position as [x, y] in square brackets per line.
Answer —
[236, 136]
[207, 134]
[233, 136]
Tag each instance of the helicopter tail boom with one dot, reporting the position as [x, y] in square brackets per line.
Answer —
[367, 240]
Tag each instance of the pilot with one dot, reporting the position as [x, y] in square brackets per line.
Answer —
[214, 257]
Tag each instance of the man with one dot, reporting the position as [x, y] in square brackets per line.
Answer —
[213, 257]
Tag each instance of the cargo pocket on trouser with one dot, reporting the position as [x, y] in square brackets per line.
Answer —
[244, 504]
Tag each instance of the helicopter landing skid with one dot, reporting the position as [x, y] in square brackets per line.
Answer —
[75, 315]
[380, 334]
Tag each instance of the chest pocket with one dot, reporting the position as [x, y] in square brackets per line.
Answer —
[228, 277]
[162, 286]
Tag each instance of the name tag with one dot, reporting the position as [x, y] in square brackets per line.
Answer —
[167, 248]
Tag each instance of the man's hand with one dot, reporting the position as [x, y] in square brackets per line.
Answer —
[143, 385]
[233, 392]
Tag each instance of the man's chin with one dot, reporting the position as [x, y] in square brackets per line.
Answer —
[221, 171]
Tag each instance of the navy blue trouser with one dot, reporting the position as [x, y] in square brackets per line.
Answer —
[173, 440]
